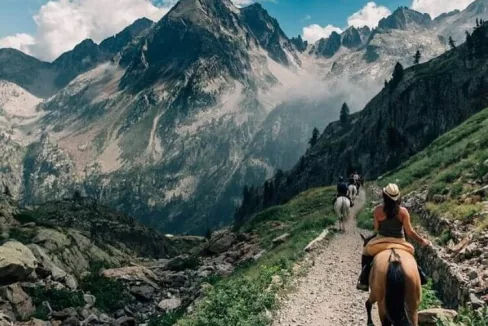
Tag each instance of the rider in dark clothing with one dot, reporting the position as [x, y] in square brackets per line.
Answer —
[342, 190]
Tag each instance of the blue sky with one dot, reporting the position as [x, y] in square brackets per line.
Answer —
[16, 15]
[62, 24]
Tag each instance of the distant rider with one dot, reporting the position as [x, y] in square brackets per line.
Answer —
[342, 190]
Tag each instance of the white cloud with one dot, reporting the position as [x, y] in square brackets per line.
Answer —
[438, 7]
[242, 3]
[369, 15]
[62, 24]
[20, 42]
[315, 32]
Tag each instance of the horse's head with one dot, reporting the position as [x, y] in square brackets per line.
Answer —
[366, 240]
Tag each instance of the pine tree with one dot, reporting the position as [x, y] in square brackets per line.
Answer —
[416, 57]
[477, 23]
[345, 119]
[469, 45]
[315, 137]
[386, 83]
[397, 76]
[452, 44]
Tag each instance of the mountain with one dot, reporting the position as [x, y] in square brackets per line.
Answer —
[168, 121]
[33, 75]
[404, 18]
[44, 79]
[457, 23]
[416, 107]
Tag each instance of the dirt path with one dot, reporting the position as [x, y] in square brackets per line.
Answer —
[327, 296]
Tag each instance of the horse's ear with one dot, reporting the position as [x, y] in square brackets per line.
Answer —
[362, 237]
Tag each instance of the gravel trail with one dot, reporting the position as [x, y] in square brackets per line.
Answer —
[327, 295]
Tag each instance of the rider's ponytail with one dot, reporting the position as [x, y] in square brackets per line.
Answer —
[391, 207]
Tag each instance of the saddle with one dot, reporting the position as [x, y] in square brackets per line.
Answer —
[380, 244]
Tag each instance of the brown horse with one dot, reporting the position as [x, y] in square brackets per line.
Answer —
[395, 285]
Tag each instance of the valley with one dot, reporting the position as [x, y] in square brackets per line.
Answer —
[188, 132]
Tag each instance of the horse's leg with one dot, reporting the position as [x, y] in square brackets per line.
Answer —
[369, 307]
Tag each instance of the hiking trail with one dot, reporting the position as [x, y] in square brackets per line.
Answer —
[327, 295]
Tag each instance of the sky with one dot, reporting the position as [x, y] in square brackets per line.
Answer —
[47, 28]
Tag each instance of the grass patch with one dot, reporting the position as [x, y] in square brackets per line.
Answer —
[365, 219]
[168, 319]
[453, 210]
[448, 165]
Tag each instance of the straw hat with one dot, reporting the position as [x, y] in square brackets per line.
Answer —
[392, 191]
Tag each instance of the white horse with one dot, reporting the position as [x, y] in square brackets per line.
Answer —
[342, 207]
[352, 192]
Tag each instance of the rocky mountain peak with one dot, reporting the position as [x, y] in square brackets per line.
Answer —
[117, 42]
[268, 32]
[404, 18]
[299, 43]
[328, 47]
[351, 38]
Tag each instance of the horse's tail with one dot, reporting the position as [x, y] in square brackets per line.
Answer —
[344, 208]
[395, 294]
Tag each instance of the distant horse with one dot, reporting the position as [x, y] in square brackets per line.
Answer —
[341, 207]
[352, 192]
[395, 285]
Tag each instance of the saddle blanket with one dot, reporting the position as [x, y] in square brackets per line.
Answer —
[380, 244]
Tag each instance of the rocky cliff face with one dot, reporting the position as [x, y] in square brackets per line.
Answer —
[406, 116]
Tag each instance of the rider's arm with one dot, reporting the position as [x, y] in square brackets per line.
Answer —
[407, 225]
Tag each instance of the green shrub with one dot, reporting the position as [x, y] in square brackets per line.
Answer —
[237, 301]
[444, 237]
[58, 299]
[429, 297]
[111, 294]
[21, 235]
[468, 317]
[26, 217]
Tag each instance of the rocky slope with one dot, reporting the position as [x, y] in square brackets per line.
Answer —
[416, 106]
[75, 261]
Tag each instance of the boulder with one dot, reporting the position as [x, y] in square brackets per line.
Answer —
[89, 300]
[429, 317]
[65, 314]
[143, 292]
[71, 282]
[133, 274]
[45, 261]
[19, 300]
[35, 322]
[5, 320]
[16, 262]
[221, 243]
[183, 262]
[168, 305]
[125, 321]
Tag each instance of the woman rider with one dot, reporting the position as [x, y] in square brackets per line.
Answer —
[391, 220]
